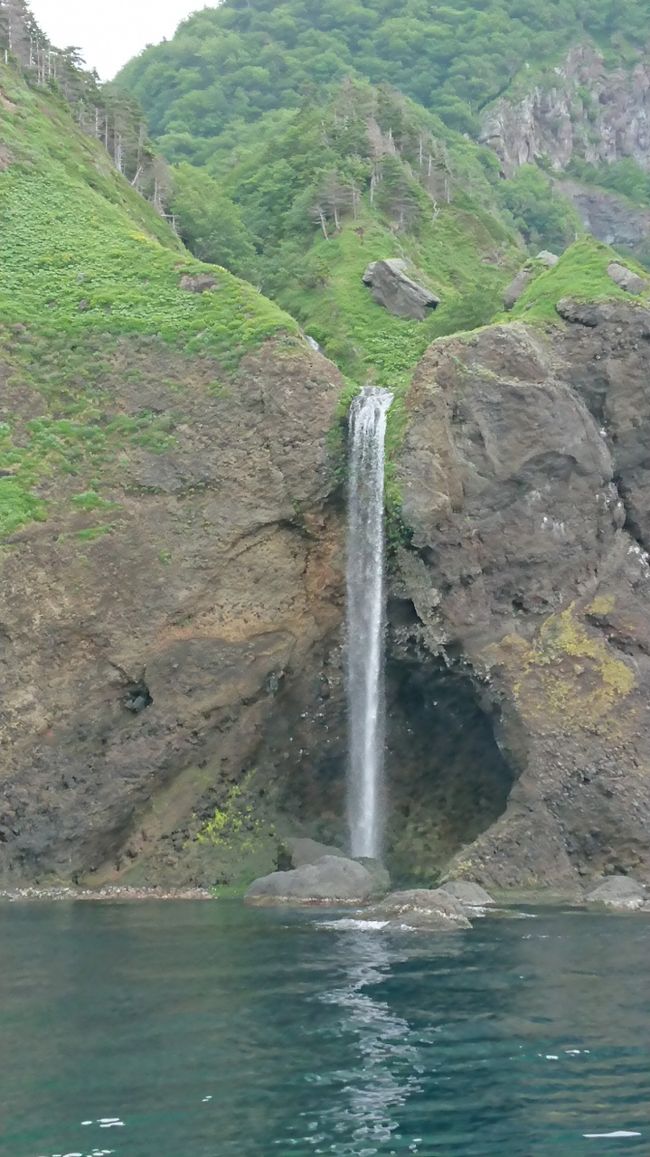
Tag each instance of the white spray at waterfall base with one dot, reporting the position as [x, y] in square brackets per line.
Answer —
[365, 619]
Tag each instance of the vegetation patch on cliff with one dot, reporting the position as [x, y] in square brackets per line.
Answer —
[90, 274]
[581, 274]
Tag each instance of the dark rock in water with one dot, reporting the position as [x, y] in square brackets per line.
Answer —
[515, 289]
[397, 292]
[296, 851]
[467, 892]
[333, 880]
[426, 908]
[199, 283]
[629, 281]
[620, 892]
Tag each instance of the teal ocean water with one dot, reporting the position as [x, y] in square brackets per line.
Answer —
[187, 1029]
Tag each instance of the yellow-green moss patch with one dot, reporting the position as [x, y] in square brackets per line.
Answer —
[567, 675]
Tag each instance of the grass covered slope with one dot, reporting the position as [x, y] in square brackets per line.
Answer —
[90, 294]
[581, 275]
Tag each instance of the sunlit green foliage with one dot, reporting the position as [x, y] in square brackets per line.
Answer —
[210, 223]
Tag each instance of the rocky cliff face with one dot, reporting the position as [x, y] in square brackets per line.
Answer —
[139, 667]
[609, 217]
[149, 674]
[527, 486]
[581, 109]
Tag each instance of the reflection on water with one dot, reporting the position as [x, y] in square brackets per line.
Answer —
[387, 1068]
[199, 1030]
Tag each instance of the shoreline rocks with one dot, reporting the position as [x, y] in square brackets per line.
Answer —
[107, 893]
[425, 909]
[331, 880]
[622, 893]
[468, 893]
[296, 851]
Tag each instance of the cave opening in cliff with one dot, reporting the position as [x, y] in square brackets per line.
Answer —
[448, 780]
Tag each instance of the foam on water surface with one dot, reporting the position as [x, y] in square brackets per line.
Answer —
[348, 923]
[617, 1134]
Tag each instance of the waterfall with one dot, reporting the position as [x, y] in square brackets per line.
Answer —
[365, 619]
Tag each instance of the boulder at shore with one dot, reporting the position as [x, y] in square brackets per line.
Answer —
[332, 880]
[620, 892]
[296, 851]
[468, 893]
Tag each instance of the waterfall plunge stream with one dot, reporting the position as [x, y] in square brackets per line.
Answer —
[365, 619]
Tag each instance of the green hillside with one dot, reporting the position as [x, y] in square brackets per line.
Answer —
[231, 65]
[368, 176]
[581, 274]
[90, 297]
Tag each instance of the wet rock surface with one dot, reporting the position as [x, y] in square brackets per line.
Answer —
[468, 893]
[620, 892]
[429, 909]
[296, 851]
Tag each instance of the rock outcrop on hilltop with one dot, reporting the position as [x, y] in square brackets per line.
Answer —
[527, 487]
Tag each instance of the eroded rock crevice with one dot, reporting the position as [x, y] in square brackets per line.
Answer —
[449, 778]
[449, 771]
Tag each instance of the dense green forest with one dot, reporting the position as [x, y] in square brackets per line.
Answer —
[229, 66]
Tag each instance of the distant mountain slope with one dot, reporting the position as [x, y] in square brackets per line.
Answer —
[234, 64]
